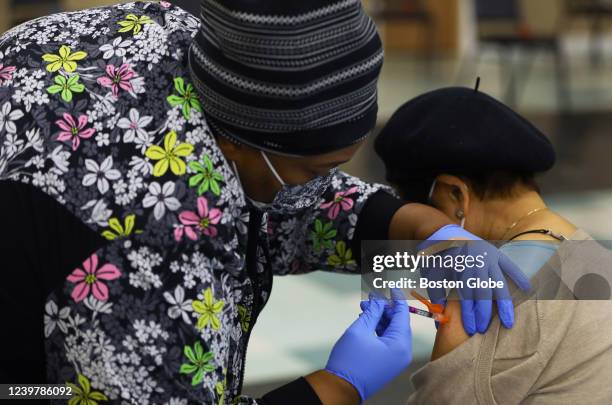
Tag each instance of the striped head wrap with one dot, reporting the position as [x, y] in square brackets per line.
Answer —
[290, 77]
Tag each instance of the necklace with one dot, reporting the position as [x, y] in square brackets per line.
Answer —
[515, 223]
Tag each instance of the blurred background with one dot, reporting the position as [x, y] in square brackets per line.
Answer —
[549, 59]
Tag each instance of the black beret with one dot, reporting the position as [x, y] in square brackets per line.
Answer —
[458, 130]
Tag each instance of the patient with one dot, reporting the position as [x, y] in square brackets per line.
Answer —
[475, 159]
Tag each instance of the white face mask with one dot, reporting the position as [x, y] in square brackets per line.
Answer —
[430, 196]
[293, 198]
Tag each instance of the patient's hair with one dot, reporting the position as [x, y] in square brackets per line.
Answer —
[486, 185]
[500, 184]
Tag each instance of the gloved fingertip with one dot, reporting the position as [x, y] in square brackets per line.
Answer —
[370, 317]
[507, 322]
[468, 317]
[364, 305]
[389, 310]
[398, 295]
[376, 305]
[523, 284]
[482, 326]
[435, 294]
[484, 309]
[440, 301]
[506, 313]
[399, 305]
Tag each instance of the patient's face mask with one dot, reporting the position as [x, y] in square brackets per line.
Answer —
[293, 198]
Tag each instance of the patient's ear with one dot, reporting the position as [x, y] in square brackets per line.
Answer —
[458, 191]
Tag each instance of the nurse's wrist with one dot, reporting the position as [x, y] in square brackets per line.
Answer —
[333, 390]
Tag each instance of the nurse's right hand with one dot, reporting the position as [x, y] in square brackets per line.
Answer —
[369, 360]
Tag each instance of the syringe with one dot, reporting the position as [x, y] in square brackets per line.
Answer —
[435, 310]
[441, 318]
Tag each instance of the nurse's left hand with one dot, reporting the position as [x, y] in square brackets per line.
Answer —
[476, 303]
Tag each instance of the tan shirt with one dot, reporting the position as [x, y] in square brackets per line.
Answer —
[558, 352]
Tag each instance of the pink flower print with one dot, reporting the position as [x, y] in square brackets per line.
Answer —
[117, 78]
[201, 221]
[179, 231]
[340, 201]
[6, 73]
[89, 279]
[73, 131]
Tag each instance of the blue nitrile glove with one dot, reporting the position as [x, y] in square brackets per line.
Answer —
[387, 313]
[476, 304]
[368, 361]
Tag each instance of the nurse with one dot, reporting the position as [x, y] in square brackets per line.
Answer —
[158, 169]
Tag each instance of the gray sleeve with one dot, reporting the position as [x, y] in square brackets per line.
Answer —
[499, 366]
[558, 352]
[449, 379]
[577, 348]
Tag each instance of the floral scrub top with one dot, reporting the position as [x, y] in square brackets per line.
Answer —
[147, 267]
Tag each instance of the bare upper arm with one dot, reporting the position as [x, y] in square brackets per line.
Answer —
[450, 335]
